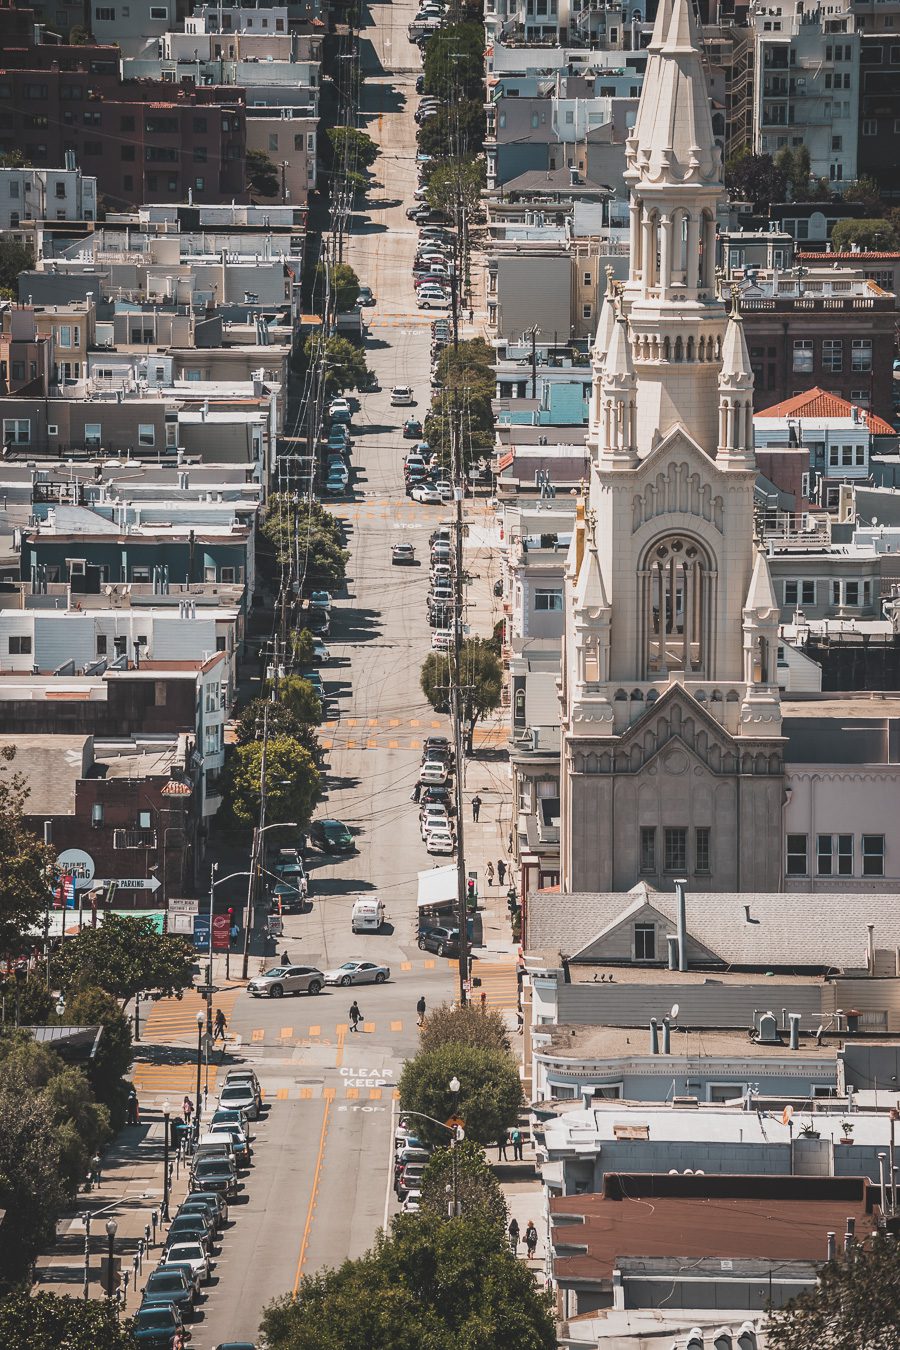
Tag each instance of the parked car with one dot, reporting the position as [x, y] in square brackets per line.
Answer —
[213, 1197]
[169, 1286]
[281, 980]
[331, 836]
[155, 1327]
[412, 429]
[318, 621]
[239, 1142]
[432, 298]
[441, 941]
[212, 1174]
[433, 818]
[321, 599]
[420, 84]
[358, 972]
[442, 639]
[402, 396]
[240, 1094]
[320, 652]
[427, 494]
[440, 842]
[196, 1268]
[191, 1205]
[402, 554]
[192, 1227]
[366, 296]
[433, 771]
[339, 410]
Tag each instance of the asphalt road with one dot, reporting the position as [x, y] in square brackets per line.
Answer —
[320, 1186]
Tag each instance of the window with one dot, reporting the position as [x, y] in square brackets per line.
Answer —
[861, 354]
[199, 154]
[126, 152]
[797, 864]
[159, 12]
[143, 820]
[870, 126]
[20, 645]
[93, 432]
[701, 848]
[586, 311]
[586, 278]
[645, 942]
[837, 143]
[548, 600]
[833, 355]
[227, 574]
[139, 573]
[873, 855]
[146, 434]
[199, 124]
[105, 15]
[676, 849]
[16, 431]
[648, 848]
[101, 644]
[851, 593]
[803, 356]
[800, 592]
[834, 855]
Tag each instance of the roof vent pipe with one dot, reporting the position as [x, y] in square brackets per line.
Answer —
[667, 1037]
[654, 1036]
[871, 948]
[682, 924]
[832, 1246]
[794, 1019]
[672, 942]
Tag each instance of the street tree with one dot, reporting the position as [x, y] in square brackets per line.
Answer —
[457, 129]
[865, 234]
[262, 174]
[302, 528]
[480, 676]
[292, 782]
[122, 956]
[470, 410]
[353, 149]
[867, 192]
[461, 1173]
[281, 722]
[464, 1024]
[300, 699]
[303, 645]
[426, 1285]
[454, 62]
[26, 864]
[60, 1322]
[854, 1306]
[32, 1187]
[488, 1100]
[32, 998]
[345, 364]
[340, 284]
[455, 186]
[14, 258]
[91, 1006]
[755, 178]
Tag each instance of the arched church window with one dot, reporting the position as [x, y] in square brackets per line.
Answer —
[679, 349]
[676, 602]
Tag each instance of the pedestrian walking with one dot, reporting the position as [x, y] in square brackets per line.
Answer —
[531, 1239]
[285, 959]
[416, 792]
[219, 1028]
[355, 1016]
[420, 1009]
[516, 1139]
[476, 807]
[482, 999]
[509, 843]
[513, 1231]
[490, 873]
[134, 1114]
[501, 871]
[187, 1110]
[501, 1147]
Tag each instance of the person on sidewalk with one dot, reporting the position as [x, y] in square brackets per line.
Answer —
[355, 1016]
[516, 1138]
[187, 1110]
[501, 1147]
[531, 1239]
[501, 871]
[134, 1113]
[420, 1009]
[285, 959]
[219, 1028]
[95, 1170]
[490, 873]
[476, 807]
[513, 1231]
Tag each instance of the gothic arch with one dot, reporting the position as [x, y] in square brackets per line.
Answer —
[676, 604]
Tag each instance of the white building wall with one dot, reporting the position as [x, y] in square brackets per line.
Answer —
[837, 800]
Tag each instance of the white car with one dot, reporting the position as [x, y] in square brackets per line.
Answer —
[433, 771]
[441, 639]
[436, 299]
[190, 1254]
[440, 841]
[239, 1096]
[339, 405]
[434, 818]
[402, 396]
[427, 494]
[445, 489]
[413, 1202]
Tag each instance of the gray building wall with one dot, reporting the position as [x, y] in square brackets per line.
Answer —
[534, 290]
[709, 1004]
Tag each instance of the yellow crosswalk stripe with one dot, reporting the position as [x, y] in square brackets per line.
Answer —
[429, 965]
[305, 1094]
[174, 1019]
[282, 1094]
[406, 965]
[499, 984]
[352, 1093]
[369, 1027]
[315, 1031]
[374, 1094]
[286, 1032]
[175, 1080]
[396, 1026]
[328, 1094]
[257, 1036]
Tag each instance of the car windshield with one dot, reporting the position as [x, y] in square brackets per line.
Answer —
[349, 965]
[189, 1252]
[154, 1317]
[165, 1279]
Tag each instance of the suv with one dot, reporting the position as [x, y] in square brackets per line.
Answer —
[441, 941]
[282, 980]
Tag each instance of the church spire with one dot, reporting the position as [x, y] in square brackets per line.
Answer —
[735, 446]
[761, 704]
[617, 430]
[654, 47]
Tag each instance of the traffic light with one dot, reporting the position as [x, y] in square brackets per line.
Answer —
[471, 893]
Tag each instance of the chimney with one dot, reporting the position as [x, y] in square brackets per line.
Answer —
[667, 1039]
[832, 1246]
[682, 924]
[794, 1019]
[871, 948]
[672, 942]
[654, 1036]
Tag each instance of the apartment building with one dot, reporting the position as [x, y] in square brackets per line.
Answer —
[46, 194]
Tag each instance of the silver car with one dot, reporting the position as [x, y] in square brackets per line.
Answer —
[358, 972]
[287, 980]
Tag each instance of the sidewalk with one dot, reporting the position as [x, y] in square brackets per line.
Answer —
[130, 1192]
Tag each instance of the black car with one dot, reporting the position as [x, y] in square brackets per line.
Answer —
[420, 84]
[438, 794]
[156, 1327]
[331, 836]
[441, 941]
[213, 1175]
[190, 1228]
[194, 1204]
[216, 1201]
[169, 1286]
[317, 621]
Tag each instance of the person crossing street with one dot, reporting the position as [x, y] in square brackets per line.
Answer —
[420, 1009]
[355, 1016]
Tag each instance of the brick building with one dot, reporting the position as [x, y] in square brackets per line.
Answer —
[143, 140]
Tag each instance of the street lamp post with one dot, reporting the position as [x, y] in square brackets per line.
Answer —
[200, 1021]
[164, 1207]
[111, 1227]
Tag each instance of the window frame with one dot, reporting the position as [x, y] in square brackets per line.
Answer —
[798, 853]
[647, 850]
[874, 857]
[647, 932]
[674, 848]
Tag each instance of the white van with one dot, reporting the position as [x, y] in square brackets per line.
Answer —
[368, 915]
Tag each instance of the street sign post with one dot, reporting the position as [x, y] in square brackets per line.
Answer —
[182, 904]
[129, 883]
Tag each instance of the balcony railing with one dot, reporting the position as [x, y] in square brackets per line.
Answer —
[135, 838]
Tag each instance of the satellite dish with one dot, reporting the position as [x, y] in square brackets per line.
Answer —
[674, 1013]
[786, 1115]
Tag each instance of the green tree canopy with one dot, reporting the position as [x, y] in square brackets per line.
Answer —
[481, 676]
[123, 955]
[262, 174]
[303, 528]
[32, 1185]
[14, 258]
[91, 1006]
[865, 234]
[27, 865]
[457, 129]
[867, 192]
[854, 1306]
[490, 1090]
[464, 1024]
[454, 62]
[37, 1007]
[463, 1172]
[455, 186]
[353, 149]
[343, 287]
[282, 722]
[755, 178]
[58, 1322]
[428, 1285]
[472, 409]
[300, 699]
[345, 363]
[292, 782]
[303, 646]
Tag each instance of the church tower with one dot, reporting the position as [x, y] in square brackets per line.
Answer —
[671, 719]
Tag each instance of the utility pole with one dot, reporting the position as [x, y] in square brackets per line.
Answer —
[457, 693]
[257, 846]
[534, 332]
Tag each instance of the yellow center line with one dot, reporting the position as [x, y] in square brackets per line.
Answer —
[341, 1033]
[313, 1196]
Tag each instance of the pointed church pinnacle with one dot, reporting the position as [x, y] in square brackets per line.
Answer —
[736, 302]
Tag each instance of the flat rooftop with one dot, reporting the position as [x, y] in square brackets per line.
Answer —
[601, 1042]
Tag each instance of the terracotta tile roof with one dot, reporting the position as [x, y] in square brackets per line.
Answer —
[819, 403]
[863, 256]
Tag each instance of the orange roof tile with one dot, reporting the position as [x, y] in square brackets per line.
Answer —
[819, 403]
[861, 256]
